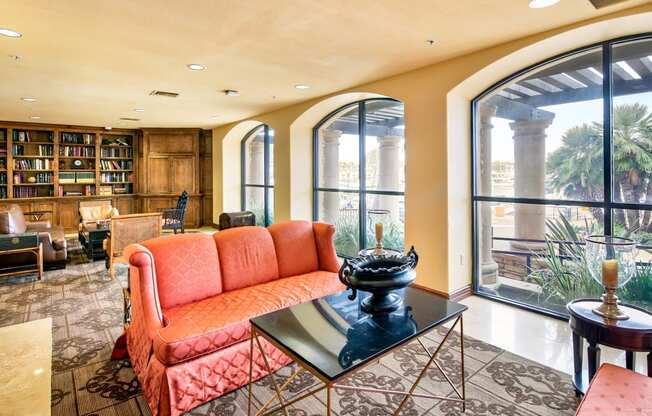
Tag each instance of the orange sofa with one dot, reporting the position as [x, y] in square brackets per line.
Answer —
[617, 391]
[192, 296]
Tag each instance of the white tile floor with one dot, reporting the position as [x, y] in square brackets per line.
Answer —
[537, 337]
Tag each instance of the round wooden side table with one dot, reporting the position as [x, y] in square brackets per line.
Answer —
[632, 335]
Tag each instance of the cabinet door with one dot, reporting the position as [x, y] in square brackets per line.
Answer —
[69, 216]
[192, 213]
[158, 175]
[207, 210]
[45, 206]
[183, 174]
[125, 206]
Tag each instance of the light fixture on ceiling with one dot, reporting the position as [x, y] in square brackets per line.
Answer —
[9, 33]
[215, 116]
[108, 128]
[139, 110]
[231, 93]
[28, 99]
[540, 4]
[430, 42]
[301, 86]
[35, 117]
[196, 67]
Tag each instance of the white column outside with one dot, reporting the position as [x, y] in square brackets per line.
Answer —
[389, 174]
[488, 267]
[529, 180]
[329, 166]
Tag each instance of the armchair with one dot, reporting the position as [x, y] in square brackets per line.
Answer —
[174, 218]
[95, 210]
[129, 229]
[55, 253]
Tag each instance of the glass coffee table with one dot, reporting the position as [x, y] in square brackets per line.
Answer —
[332, 338]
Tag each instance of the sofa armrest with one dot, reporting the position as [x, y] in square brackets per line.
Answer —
[142, 284]
[325, 247]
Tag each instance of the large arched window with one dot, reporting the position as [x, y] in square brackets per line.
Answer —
[257, 174]
[562, 150]
[359, 173]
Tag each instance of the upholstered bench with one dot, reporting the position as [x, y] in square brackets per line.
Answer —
[617, 391]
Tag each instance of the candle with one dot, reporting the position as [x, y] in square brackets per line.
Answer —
[379, 233]
[610, 273]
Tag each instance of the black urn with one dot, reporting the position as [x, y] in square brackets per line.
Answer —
[379, 275]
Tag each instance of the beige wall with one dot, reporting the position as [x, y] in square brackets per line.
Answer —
[437, 114]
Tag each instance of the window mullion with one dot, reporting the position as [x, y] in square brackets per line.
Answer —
[362, 199]
[607, 99]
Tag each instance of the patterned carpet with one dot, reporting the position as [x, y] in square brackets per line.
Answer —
[86, 309]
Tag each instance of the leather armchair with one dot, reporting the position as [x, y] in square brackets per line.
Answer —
[55, 252]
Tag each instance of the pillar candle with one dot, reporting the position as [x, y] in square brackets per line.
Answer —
[379, 232]
[610, 273]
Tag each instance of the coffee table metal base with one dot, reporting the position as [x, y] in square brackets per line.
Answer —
[334, 384]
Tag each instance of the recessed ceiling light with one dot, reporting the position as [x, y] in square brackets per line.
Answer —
[430, 42]
[9, 33]
[216, 116]
[231, 93]
[540, 4]
[139, 110]
[28, 99]
[108, 128]
[196, 67]
[35, 117]
[301, 87]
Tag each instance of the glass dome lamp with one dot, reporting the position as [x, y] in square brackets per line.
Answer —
[612, 263]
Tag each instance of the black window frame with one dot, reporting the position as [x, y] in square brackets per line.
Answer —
[361, 191]
[266, 186]
[607, 204]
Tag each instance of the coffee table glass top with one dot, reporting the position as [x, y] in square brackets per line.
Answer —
[333, 336]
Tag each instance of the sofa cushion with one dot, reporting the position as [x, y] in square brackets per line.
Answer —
[295, 246]
[209, 325]
[616, 390]
[247, 257]
[187, 268]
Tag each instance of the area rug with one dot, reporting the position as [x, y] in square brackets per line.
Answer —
[86, 308]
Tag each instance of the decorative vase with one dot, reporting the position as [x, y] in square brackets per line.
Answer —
[379, 275]
[612, 263]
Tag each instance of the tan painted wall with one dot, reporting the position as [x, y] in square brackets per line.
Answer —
[437, 114]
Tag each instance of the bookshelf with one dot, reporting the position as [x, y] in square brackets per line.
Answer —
[31, 163]
[116, 164]
[4, 143]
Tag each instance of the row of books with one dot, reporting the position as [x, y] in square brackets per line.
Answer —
[115, 189]
[33, 191]
[115, 177]
[77, 151]
[3, 178]
[117, 141]
[115, 164]
[76, 177]
[86, 190]
[40, 164]
[27, 136]
[20, 178]
[116, 152]
[3, 192]
[77, 138]
[43, 150]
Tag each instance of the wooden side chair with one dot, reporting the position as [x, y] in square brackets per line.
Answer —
[129, 229]
[174, 218]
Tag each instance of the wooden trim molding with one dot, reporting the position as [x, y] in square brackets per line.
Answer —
[456, 295]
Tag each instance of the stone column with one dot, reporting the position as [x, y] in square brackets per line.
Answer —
[529, 180]
[488, 267]
[329, 166]
[256, 170]
[388, 172]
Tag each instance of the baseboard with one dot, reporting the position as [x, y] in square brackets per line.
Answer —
[456, 295]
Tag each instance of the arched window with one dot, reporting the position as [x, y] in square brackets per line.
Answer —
[561, 150]
[359, 174]
[257, 174]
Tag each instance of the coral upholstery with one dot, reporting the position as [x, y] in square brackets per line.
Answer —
[617, 391]
[192, 298]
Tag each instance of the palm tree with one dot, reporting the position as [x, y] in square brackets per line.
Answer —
[576, 168]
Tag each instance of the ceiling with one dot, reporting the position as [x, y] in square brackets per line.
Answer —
[91, 63]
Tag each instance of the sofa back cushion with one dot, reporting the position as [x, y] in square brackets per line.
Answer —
[12, 220]
[247, 257]
[187, 268]
[295, 247]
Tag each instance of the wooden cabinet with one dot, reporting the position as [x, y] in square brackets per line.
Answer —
[125, 206]
[183, 173]
[158, 175]
[69, 215]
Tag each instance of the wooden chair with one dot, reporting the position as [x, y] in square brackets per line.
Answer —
[174, 218]
[129, 229]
